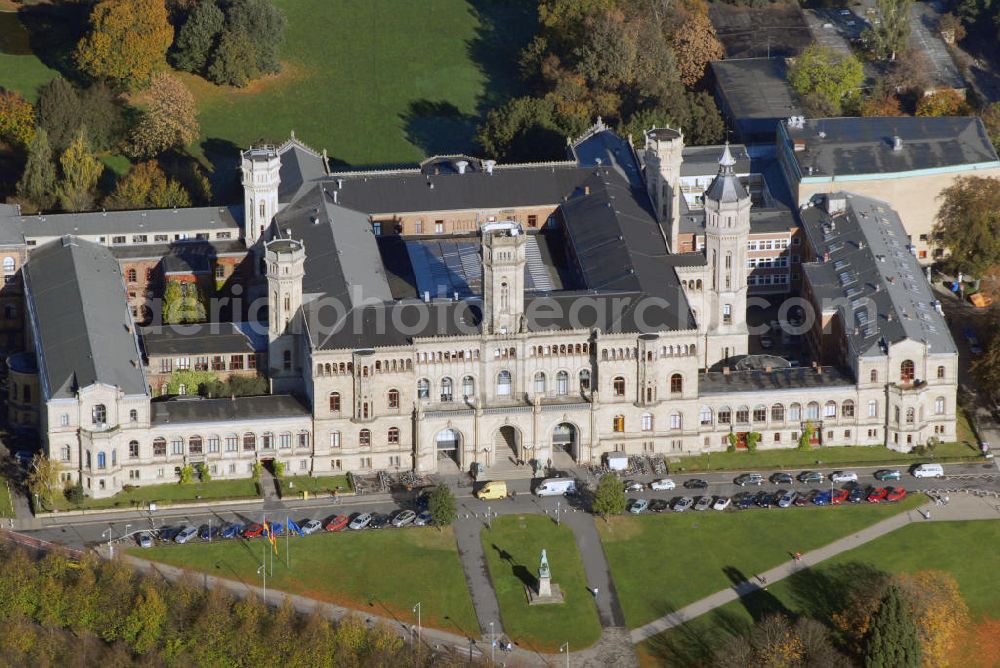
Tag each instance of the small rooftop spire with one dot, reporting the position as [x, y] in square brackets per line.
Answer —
[727, 160]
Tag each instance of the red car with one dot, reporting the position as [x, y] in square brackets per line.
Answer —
[337, 523]
[253, 531]
[839, 496]
[895, 494]
[877, 494]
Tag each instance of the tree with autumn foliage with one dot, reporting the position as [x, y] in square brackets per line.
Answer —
[169, 121]
[881, 104]
[127, 41]
[938, 610]
[775, 641]
[80, 172]
[831, 78]
[968, 224]
[147, 187]
[946, 102]
[17, 119]
[695, 45]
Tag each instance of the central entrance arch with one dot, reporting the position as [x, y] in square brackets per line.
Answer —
[449, 443]
[565, 439]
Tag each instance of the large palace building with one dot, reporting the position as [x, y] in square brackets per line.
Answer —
[469, 313]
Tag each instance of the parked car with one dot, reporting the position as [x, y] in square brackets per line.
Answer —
[253, 530]
[803, 499]
[972, 339]
[403, 517]
[423, 500]
[208, 532]
[379, 521]
[877, 494]
[721, 503]
[787, 498]
[927, 471]
[634, 486]
[167, 534]
[821, 498]
[186, 534]
[888, 474]
[744, 501]
[703, 503]
[895, 494]
[682, 504]
[810, 476]
[144, 539]
[231, 531]
[337, 523]
[662, 484]
[636, 506]
[276, 528]
[360, 521]
[749, 479]
[658, 505]
[696, 483]
[843, 476]
[423, 519]
[311, 526]
[838, 496]
[766, 500]
[782, 478]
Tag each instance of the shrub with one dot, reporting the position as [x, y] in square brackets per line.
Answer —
[74, 494]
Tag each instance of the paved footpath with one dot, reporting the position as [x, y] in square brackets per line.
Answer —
[960, 507]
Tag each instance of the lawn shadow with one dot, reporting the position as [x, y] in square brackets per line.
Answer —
[223, 158]
[693, 643]
[525, 576]
[438, 127]
[820, 593]
[754, 595]
[54, 28]
[503, 554]
[505, 28]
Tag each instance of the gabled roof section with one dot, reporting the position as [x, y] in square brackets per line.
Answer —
[869, 276]
[301, 166]
[83, 329]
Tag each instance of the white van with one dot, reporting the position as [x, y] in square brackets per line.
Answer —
[556, 487]
[928, 471]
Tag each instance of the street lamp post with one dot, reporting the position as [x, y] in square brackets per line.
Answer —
[127, 527]
[558, 511]
[263, 571]
[565, 648]
[417, 609]
[493, 645]
[111, 550]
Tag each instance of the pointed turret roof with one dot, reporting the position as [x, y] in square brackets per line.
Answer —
[726, 187]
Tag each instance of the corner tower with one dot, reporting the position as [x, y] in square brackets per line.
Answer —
[504, 257]
[261, 167]
[663, 155]
[727, 230]
[285, 259]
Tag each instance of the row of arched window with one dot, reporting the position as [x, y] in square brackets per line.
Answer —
[692, 284]
[232, 442]
[561, 349]
[365, 437]
[907, 373]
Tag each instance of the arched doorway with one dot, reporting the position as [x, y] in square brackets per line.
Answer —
[449, 442]
[564, 440]
[507, 444]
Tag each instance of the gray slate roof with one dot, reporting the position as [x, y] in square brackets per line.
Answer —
[149, 221]
[882, 295]
[717, 382]
[300, 168]
[83, 328]
[200, 339]
[864, 146]
[177, 412]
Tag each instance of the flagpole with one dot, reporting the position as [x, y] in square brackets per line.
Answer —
[288, 530]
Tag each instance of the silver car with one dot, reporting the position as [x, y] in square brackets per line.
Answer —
[186, 534]
[312, 526]
[145, 540]
[360, 522]
[403, 518]
[682, 504]
[704, 503]
[787, 498]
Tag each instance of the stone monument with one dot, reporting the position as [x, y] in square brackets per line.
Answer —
[547, 592]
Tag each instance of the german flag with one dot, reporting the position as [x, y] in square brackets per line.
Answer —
[269, 534]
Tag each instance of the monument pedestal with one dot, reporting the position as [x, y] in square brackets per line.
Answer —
[547, 592]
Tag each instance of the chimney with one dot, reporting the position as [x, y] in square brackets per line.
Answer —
[888, 316]
[427, 295]
[725, 371]
[897, 143]
[586, 190]
[462, 165]
[819, 370]
[489, 165]
[826, 256]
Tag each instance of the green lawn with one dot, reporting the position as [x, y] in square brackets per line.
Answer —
[513, 551]
[19, 68]
[292, 486]
[385, 572]
[6, 505]
[860, 455]
[967, 550]
[170, 493]
[685, 557]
